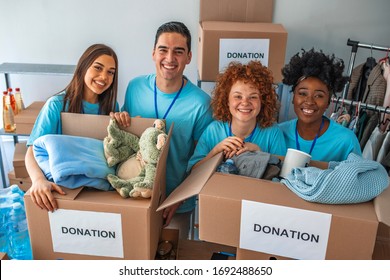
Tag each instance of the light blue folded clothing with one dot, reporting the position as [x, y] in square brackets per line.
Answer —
[354, 180]
[73, 161]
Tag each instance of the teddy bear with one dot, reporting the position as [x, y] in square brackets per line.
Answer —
[136, 158]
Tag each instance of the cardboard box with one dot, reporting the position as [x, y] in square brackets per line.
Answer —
[382, 244]
[236, 10]
[23, 183]
[18, 160]
[346, 231]
[93, 224]
[221, 42]
[3, 256]
[25, 120]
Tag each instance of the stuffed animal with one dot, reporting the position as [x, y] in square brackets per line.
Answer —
[137, 164]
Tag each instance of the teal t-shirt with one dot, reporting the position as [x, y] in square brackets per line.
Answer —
[270, 140]
[334, 145]
[49, 118]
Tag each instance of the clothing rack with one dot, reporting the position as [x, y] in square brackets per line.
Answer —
[355, 45]
[380, 109]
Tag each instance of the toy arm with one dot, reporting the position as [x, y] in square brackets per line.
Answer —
[161, 140]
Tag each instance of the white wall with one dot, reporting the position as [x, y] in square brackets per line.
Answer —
[58, 31]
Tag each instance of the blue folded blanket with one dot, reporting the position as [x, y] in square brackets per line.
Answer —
[73, 161]
[354, 180]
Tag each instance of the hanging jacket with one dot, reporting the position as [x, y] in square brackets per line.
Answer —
[375, 88]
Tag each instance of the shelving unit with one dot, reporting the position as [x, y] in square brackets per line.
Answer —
[34, 69]
[28, 69]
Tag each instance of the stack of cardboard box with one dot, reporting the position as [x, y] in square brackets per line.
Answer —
[239, 30]
[24, 123]
[25, 119]
[19, 175]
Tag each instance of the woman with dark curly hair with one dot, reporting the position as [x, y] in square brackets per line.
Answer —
[314, 77]
[244, 106]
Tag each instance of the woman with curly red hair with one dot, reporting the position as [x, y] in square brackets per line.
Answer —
[244, 106]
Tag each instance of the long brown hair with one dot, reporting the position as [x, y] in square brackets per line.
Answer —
[74, 91]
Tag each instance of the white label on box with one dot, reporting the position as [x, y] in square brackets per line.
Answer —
[243, 50]
[86, 233]
[284, 231]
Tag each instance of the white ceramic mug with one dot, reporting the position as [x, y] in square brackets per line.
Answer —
[294, 158]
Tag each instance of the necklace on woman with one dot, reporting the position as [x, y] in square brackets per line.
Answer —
[315, 138]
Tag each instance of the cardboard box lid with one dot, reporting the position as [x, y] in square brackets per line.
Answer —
[95, 126]
[19, 154]
[194, 183]
[236, 10]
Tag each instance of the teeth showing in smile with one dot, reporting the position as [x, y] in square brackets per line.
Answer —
[100, 83]
[169, 66]
[308, 111]
[244, 111]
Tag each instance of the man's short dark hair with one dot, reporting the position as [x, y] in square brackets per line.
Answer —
[174, 27]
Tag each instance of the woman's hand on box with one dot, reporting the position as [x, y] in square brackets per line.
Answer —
[41, 194]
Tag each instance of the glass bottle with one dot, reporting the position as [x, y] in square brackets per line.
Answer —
[8, 114]
[19, 99]
[12, 102]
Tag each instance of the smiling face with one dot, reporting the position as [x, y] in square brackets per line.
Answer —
[171, 55]
[99, 77]
[244, 102]
[311, 99]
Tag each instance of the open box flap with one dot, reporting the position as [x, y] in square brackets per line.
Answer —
[159, 187]
[194, 183]
[95, 126]
[71, 194]
[382, 206]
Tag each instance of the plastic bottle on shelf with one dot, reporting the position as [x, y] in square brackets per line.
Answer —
[19, 99]
[8, 114]
[19, 246]
[228, 167]
[12, 101]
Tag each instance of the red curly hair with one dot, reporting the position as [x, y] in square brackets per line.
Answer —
[256, 74]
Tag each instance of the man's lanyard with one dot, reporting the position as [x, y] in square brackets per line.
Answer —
[173, 101]
[250, 136]
[315, 138]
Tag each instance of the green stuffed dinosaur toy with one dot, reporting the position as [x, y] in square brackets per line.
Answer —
[136, 158]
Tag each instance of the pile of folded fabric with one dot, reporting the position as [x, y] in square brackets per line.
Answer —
[353, 180]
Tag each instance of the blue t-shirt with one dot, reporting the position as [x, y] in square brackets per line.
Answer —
[270, 140]
[334, 145]
[191, 113]
[49, 118]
